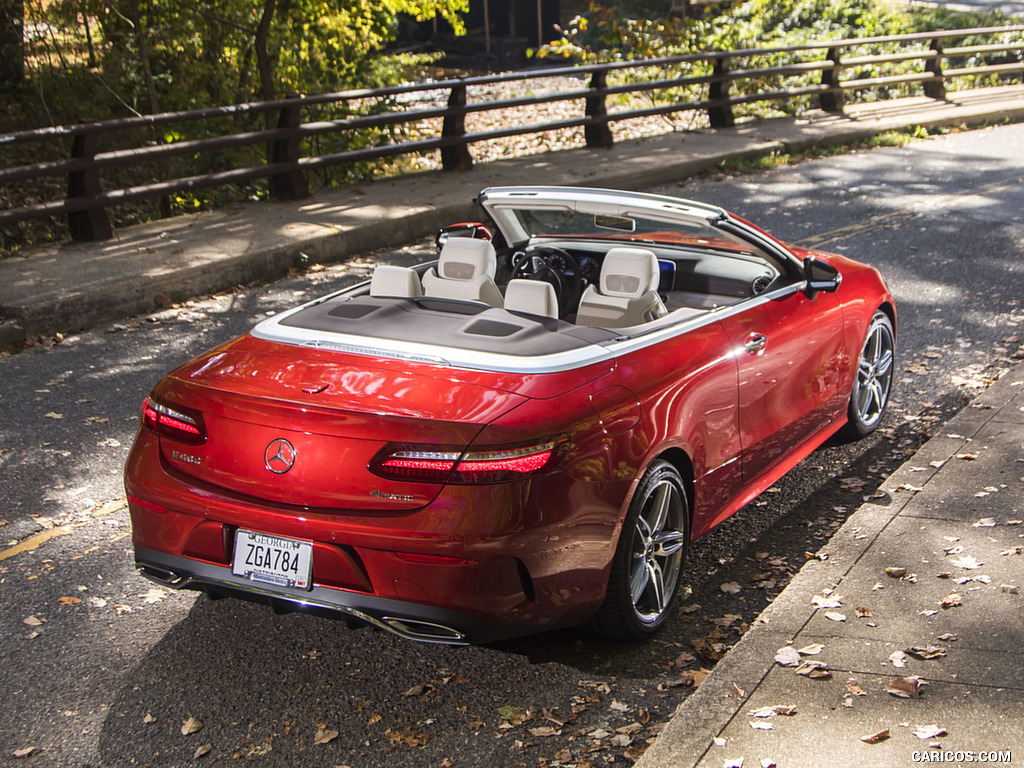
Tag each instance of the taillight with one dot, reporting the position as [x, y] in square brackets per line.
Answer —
[177, 423]
[436, 464]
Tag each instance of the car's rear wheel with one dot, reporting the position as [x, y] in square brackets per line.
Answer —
[875, 369]
[649, 559]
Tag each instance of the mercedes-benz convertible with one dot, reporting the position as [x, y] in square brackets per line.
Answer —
[527, 433]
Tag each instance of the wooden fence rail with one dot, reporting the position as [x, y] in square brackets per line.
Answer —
[711, 84]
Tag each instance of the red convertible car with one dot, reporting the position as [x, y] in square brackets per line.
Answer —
[526, 434]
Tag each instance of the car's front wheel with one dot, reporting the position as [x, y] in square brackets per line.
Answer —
[875, 369]
[649, 558]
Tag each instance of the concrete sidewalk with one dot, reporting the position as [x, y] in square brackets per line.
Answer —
[72, 286]
[946, 530]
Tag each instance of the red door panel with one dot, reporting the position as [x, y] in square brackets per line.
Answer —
[789, 355]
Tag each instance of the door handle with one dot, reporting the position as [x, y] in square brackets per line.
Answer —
[755, 343]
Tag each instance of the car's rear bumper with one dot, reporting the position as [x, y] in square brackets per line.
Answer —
[411, 621]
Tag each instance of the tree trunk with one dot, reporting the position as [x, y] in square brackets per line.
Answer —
[263, 63]
[12, 41]
[142, 45]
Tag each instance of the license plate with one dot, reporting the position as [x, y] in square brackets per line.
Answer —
[273, 559]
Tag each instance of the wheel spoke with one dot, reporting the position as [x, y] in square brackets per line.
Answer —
[638, 582]
[660, 506]
[884, 363]
[656, 585]
[644, 532]
[668, 543]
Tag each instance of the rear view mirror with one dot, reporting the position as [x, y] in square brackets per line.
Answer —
[820, 276]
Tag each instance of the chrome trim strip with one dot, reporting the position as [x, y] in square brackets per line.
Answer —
[435, 354]
[403, 627]
[438, 354]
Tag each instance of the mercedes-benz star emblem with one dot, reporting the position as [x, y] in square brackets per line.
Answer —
[279, 456]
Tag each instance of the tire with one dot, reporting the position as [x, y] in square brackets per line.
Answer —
[648, 561]
[873, 382]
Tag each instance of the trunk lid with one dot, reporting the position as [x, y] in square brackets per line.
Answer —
[301, 430]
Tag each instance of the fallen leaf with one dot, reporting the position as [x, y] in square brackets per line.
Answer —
[811, 650]
[898, 659]
[819, 601]
[148, 718]
[407, 736]
[787, 656]
[69, 600]
[952, 600]
[202, 751]
[863, 613]
[905, 687]
[896, 573]
[876, 737]
[928, 652]
[731, 588]
[854, 688]
[760, 725]
[814, 669]
[967, 562]
[33, 621]
[967, 456]
[697, 676]
[779, 709]
[949, 637]
[1010, 589]
[192, 725]
[419, 689]
[545, 730]
[985, 522]
[24, 751]
[740, 693]
[52, 415]
[684, 660]
[735, 763]
[929, 731]
[324, 735]
[833, 616]
[154, 595]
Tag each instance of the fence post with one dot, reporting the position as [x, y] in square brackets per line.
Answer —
[292, 184]
[596, 131]
[92, 223]
[832, 100]
[456, 157]
[720, 109]
[935, 89]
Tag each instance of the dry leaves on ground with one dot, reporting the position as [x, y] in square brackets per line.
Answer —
[905, 687]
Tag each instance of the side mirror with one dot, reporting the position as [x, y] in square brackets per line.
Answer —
[464, 229]
[820, 276]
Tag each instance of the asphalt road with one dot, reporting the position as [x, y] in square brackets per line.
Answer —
[99, 667]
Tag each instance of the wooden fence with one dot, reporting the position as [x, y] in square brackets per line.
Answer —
[713, 85]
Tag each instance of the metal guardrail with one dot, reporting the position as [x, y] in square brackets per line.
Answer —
[720, 77]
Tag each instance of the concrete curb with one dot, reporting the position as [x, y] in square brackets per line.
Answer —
[687, 740]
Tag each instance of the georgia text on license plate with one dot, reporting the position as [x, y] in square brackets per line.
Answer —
[272, 559]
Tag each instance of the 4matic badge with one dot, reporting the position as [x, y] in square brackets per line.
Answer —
[279, 456]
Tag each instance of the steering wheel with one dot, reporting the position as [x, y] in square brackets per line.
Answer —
[553, 265]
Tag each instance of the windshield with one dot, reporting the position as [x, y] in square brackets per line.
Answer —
[543, 223]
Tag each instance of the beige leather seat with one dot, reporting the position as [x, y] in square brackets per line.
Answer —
[532, 297]
[391, 281]
[465, 270]
[628, 292]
